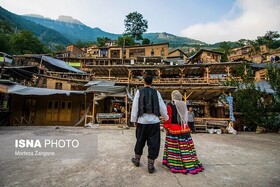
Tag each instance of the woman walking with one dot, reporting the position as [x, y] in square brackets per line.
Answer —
[179, 151]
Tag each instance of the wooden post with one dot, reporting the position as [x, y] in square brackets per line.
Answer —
[187, 96]
[181, 71]
[129, 75]
[40, 65]
[126, 110]
[109, 69]
[159, 73]
[207, 73]
[93, 108]
[85, 108]
[206, 109]
[228, 70]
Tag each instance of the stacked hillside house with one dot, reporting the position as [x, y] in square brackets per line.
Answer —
[101, 87]
[248, 53]
[199, 78]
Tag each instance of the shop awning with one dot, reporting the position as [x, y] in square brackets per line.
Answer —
[106, 89]
[100, 83]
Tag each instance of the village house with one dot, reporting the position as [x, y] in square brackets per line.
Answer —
[247, 53]
[200, 82]
[177, 54]
[241, 54]
[205, 56]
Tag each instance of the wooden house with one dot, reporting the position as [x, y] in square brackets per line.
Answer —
[177, 54]
[201, 83]
[74, 51]
[241, 54]
[205, 56]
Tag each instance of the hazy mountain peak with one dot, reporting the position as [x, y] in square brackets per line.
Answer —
[68, 19]
[36, 16]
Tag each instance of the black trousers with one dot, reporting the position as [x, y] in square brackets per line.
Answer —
[191, 125]
[149, 133]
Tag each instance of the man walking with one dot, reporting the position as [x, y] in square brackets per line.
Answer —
[147, 106]
[191, 119]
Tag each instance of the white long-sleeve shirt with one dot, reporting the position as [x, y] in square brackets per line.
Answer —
[147, 118]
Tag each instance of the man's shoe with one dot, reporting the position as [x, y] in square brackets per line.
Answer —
[135, 161]
[151, 167]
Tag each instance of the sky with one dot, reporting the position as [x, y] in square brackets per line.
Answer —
[210, 21]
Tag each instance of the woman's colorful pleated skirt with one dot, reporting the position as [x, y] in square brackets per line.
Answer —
[180, 154]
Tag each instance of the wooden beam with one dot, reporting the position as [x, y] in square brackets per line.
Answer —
[227, 68]
[109, 69]
[93, 109]
[187, 96]
[126, 110]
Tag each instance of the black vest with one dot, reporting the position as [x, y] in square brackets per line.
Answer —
[174, 119]
[148, 102]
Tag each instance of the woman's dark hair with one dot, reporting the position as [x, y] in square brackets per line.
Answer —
[148, 79]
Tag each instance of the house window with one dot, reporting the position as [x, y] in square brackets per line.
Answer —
[152, 52]
[162, 52]
[58, 85]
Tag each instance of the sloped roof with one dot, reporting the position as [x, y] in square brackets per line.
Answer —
[4, 57]
[202, 50]
[106, 89]
[100, 83]
[14, 88]
[197, 92]
[59, 65]
[265, 87]
[177, 50]
[263, 65]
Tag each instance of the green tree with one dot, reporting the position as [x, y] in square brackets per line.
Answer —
[268, 39]
[273, 74]
[225, 48]
[258, 108]
[82, 44]
[145, 41]
[135, 25]
[58, 48]
[5, 45]
[101, 41]
[24, 42]
[125, 41]
[242, 42]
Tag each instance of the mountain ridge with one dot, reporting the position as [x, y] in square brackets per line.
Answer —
[66, 30]
[85, 33]
[46, 35]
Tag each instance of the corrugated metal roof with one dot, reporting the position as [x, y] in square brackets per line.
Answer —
[25, 90]
[106, 89]
[265, 87]
[264, 65]
[100, 83]
[60, 64]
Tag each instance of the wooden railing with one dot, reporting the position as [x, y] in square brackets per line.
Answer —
[164, 81]
[157, 81]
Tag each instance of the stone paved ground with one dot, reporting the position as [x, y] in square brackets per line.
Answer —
[245, 159]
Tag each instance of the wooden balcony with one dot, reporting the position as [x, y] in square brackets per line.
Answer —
[199, 81]
[169, 81]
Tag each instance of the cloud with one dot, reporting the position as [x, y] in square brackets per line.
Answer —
[255, 17]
